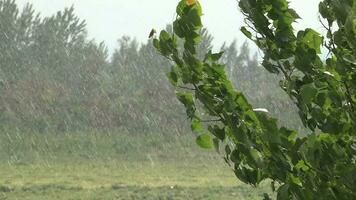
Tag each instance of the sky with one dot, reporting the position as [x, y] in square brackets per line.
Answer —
[108, 20]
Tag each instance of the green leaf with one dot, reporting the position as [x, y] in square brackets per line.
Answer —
[213, 57]
[269, 127]
[166, 43]
[247, 33]
[235, 157]
[194, 18]
[205, 141]
[256, 157]
[164, 35]
[178, 28]
[196, 125]
[295, 180]
[294, 14]
[311, 38]
[217, 132]
[302, 166]
[326, 12]
[182, 8]
[198, 8]
[173, 76]
[156, 44]
[248, 175]
[188, 100]
[189, 46]
[216, 56]
[288, 135]
[308, 92]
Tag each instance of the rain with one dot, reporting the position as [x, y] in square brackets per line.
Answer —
[87, 117]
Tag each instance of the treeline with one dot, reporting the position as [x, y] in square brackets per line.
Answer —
[53, 78]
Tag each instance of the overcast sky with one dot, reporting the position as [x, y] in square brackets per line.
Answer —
[108, 20]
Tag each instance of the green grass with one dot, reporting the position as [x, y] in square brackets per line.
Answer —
[114, 166]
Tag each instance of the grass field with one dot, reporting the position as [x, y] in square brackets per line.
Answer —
[114, 166]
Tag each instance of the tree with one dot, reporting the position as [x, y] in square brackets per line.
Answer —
[49, 71]
[15, 37]
[54, 79]
[320, 165]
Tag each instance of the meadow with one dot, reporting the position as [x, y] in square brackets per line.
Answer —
[38, 166]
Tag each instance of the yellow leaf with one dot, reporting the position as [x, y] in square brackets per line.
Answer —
[191, 2]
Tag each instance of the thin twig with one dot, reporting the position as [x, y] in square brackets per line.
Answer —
[186, 88]
[211, 110]
[286, 75]
[211, 120]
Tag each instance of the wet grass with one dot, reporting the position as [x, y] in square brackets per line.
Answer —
[114, 166]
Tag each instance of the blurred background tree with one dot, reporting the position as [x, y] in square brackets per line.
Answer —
[54, 78]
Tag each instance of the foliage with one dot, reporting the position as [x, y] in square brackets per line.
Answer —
[55, 79]
[44, 63]
[320, 165]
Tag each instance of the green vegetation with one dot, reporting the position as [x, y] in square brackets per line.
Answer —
[54, 78]
[78, 123]
[321, 165]
[61, 96]
[117, 166]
